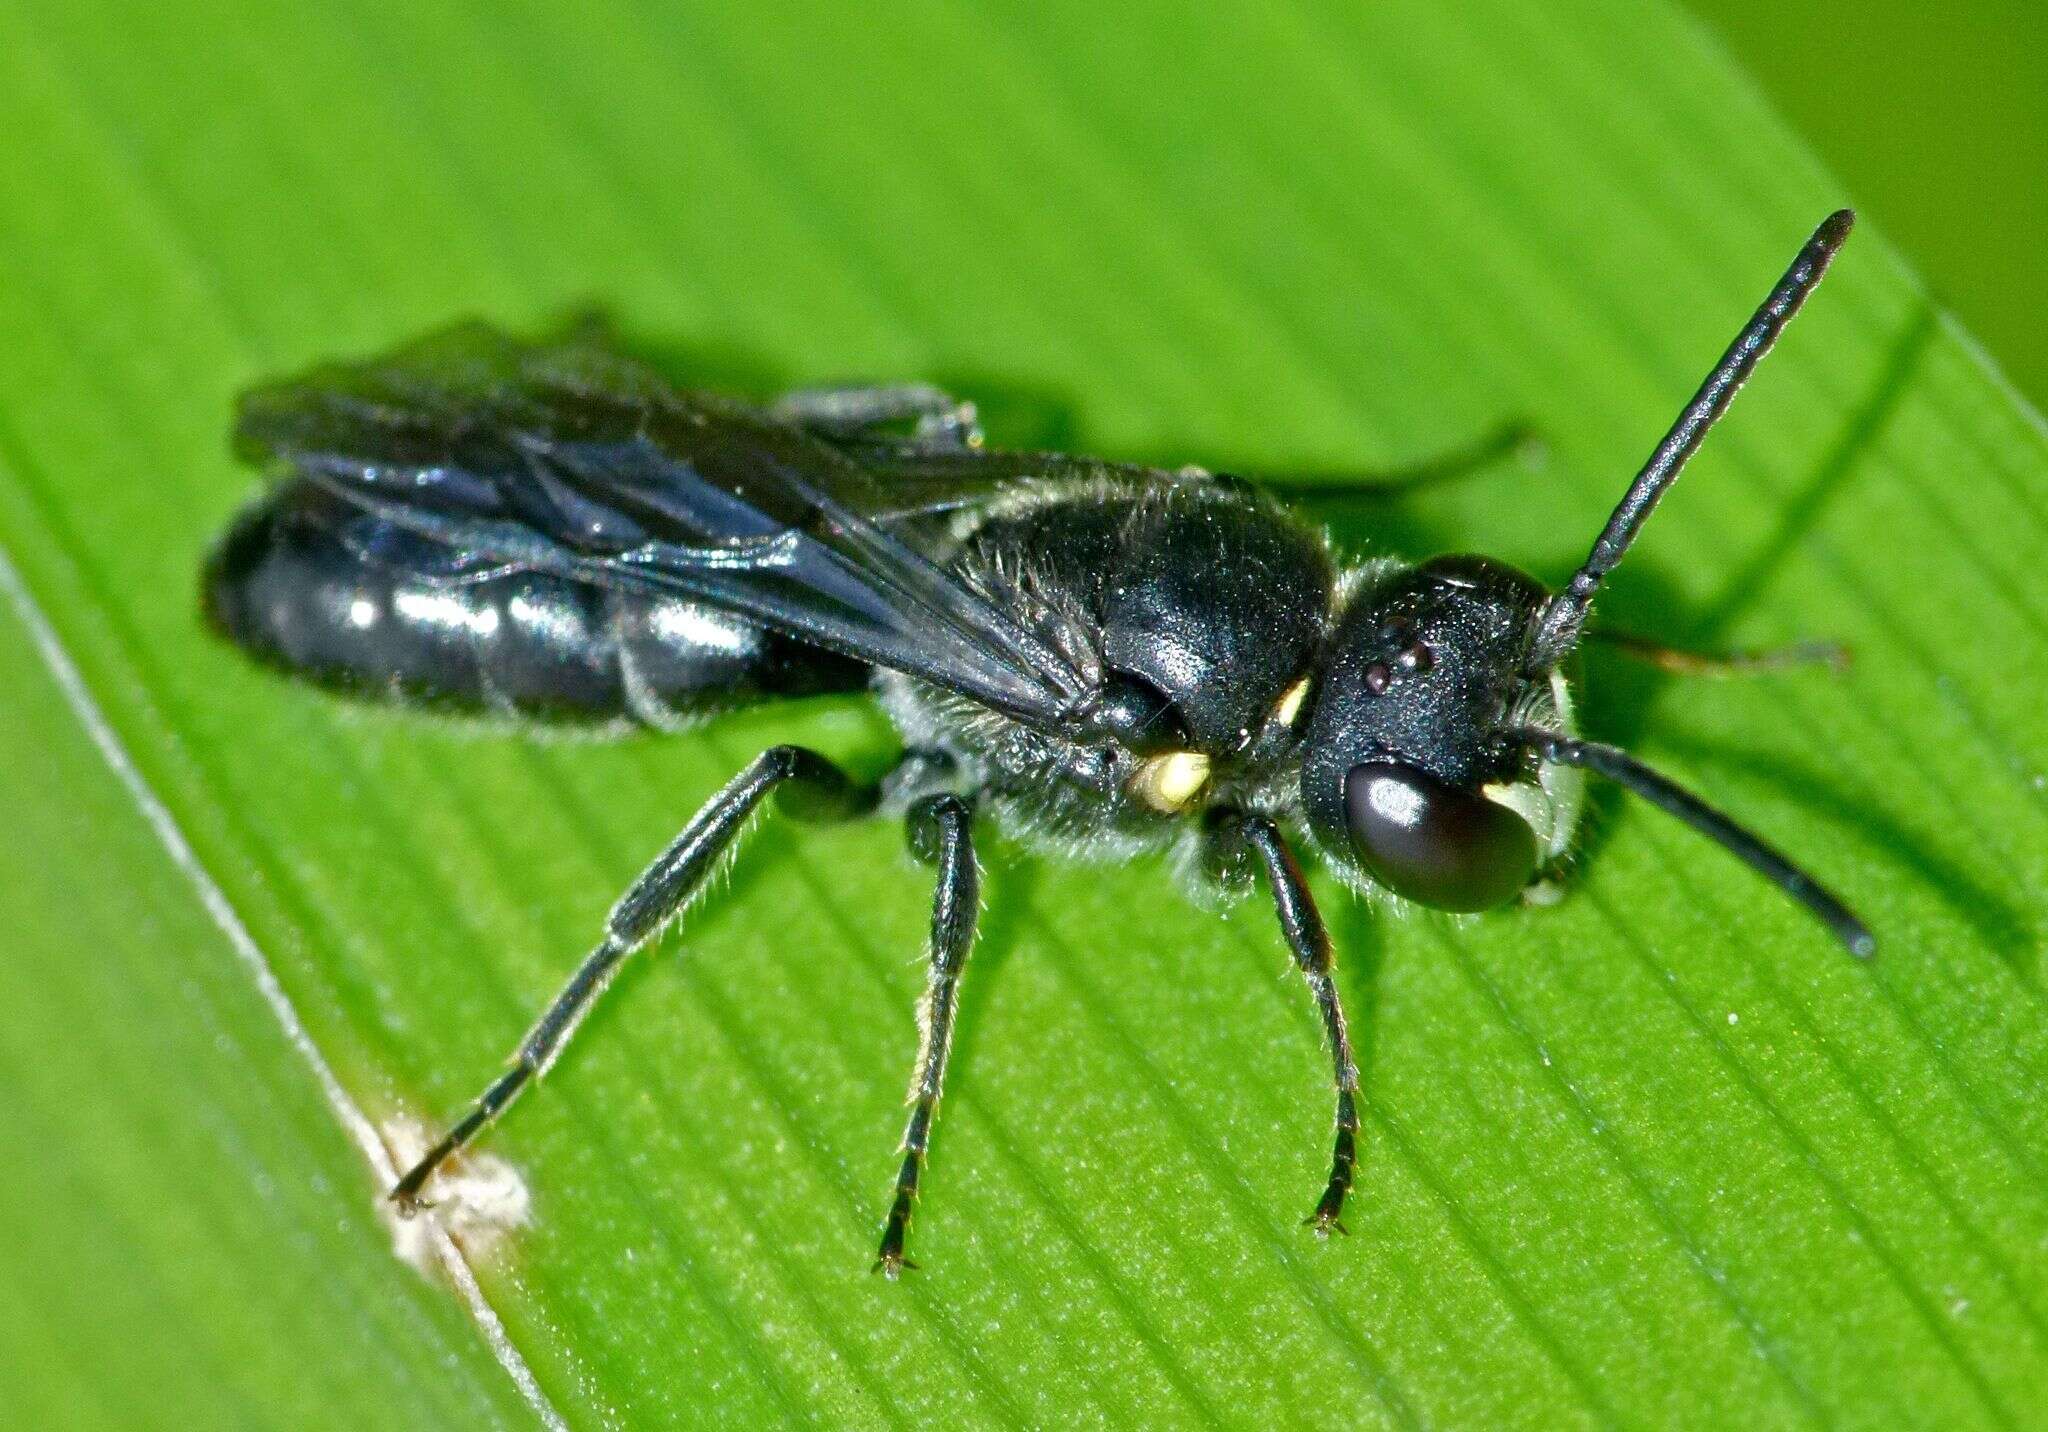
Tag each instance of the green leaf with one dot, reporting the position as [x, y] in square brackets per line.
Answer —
[1660, 1155]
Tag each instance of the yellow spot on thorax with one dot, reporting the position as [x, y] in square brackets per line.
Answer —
[1290, 702]
[1168, 782]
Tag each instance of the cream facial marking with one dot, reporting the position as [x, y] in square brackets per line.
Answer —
[1529, 801]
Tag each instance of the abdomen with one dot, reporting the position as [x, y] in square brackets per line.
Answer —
[309, 583]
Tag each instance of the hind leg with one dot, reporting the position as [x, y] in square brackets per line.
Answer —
[939, 419]
[812, 788]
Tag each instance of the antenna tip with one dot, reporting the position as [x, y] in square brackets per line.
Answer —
[1835, 227]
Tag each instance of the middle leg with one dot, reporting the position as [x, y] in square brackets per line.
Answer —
[941, 834]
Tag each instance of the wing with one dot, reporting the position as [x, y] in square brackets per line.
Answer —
[572, 460]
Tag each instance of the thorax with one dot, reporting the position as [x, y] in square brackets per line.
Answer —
[1209, 592]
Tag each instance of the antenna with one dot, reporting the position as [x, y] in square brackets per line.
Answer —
[1563, 616]
[1661, 791]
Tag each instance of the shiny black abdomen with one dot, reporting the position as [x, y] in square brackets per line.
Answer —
[307, 582]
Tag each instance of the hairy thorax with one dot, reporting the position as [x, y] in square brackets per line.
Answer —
[1218, 604]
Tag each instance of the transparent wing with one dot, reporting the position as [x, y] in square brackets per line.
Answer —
[572, 460]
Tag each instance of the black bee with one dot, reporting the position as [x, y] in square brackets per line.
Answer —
[1110, 659]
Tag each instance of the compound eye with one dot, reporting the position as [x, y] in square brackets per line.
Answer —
[1433, 843]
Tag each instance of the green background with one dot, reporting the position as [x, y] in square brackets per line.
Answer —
[1660, 1156]
[1936, 116]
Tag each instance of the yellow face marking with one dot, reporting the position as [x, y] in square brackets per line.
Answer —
[1529, 801]
[1168, 782]
[1290, 702]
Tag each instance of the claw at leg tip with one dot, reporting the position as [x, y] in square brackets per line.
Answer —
[891, 1266]
[409, 1205]
[1323, 1223]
